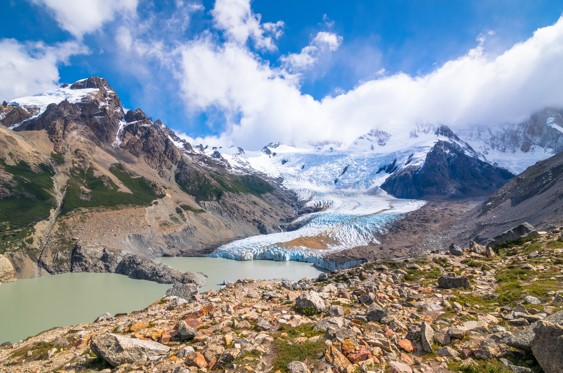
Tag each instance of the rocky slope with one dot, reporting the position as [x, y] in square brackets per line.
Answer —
[469, 310]
[77, 169]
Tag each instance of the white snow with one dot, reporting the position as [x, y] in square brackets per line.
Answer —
[41, 101]
[551, 123]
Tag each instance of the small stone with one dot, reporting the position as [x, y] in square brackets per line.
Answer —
[336, 310]
[263, 324]
[310, 302]
[398, 367]
[455, 250]
[185, 352]
[518, 322]
[452, 282]
[456, 332]
[376, 313]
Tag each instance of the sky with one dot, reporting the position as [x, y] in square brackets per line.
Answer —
[246, 73]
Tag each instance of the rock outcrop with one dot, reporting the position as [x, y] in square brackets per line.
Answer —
[547, 346]
[524, 231]
[118, 350]
[7, 271]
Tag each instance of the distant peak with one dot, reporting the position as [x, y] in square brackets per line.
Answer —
[92, 82]
[135, 115]
[445, 131]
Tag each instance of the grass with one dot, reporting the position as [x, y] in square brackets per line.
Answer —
[35, 351]
[416, 275]
[29, 201]
[104, 193]
[191, 209]
[287, 350]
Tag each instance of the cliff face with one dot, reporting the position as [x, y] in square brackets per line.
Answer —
[76, 168]
[448, 172]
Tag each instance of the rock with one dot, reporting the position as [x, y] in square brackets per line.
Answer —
[143, 268]
[376, 313]
[547, 346]
[336, 310]
[335, 357]
[518, 233]
[184, 291]
[104, 317]
[474, 247]
[118, 350]
[406, 345]
[310, 302]
[365, 299]
[426, 336]
[362, 354]
[456, 332]
[447, 352]
[451, 282]
[263, 324]
[298, 366]
[7, 271]
[531, 300]
[185, 332]
[227, 358]
[455, 250]
[488, 348]
[330, 323]
[398, 367]
[523, 339]
[186, 351]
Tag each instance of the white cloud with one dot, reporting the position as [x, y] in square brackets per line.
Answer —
[84, 16]
[323, 42]
[236, 19]
[475, 88]
[30, 68]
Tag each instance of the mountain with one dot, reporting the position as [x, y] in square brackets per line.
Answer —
[535, 196]
[76, 169]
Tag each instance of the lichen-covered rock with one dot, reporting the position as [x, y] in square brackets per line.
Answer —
[310, 302]
[452, 282]
[547, 346]
[118, 350]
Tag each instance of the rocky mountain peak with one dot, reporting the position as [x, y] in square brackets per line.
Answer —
[135, 115]
[92, 82]
[446, 131]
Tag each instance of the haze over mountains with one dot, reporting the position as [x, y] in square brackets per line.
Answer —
[79, 168]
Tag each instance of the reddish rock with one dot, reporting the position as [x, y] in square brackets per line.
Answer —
[362, 355]
[166, 337]
[193, 322]
[348, 346]
[406, 345]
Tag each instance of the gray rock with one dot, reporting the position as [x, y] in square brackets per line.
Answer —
[531, 300]
[227, 358]
[452, 282]
[376, 313]
[456, 332]
[455, 250]
[184, 291]
[330, 323]
[185, 352]
[310, 302]
[263, 324]
[523, 339]
[426, 336]
[297, 367]
[104, 317]
[447, 352]
[143, 268]
[185, 332]
[520, 232]
[336, 310]
[365, 299]
[118, 350]
[342, 334]
[474, 247]
[547, 346]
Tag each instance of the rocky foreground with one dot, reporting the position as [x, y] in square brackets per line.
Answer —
[468, 310]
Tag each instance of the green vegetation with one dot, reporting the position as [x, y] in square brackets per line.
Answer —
[86, 190]
[514, 283]
[191, 209]
[58, 158]
[417, 275]
[212, 187]
[479, 366]
[287, 349]
[35, 351]
[28, 199]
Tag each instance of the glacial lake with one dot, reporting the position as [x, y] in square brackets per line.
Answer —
[28, 307]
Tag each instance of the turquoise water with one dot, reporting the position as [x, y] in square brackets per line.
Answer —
[28, 307]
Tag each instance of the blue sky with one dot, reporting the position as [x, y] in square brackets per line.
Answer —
[250, 72]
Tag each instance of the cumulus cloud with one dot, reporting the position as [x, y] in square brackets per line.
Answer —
[322, 43]
[476, 88]
[240, 23]
[29, 68]
[84, 16]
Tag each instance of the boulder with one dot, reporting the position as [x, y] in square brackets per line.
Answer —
[523, 339]
[184, 291]
[455, 250]
[547, 346]
[118, 350]
[516, 234]
[143, 268]
[426, 336]
[310, 302]
[185, 332]
[376, 313]
[451, 282]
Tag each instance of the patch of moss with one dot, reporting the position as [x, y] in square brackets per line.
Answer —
[481, 366]
[35, 351]
[418, 275]
[287, 350]
[191, 209]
